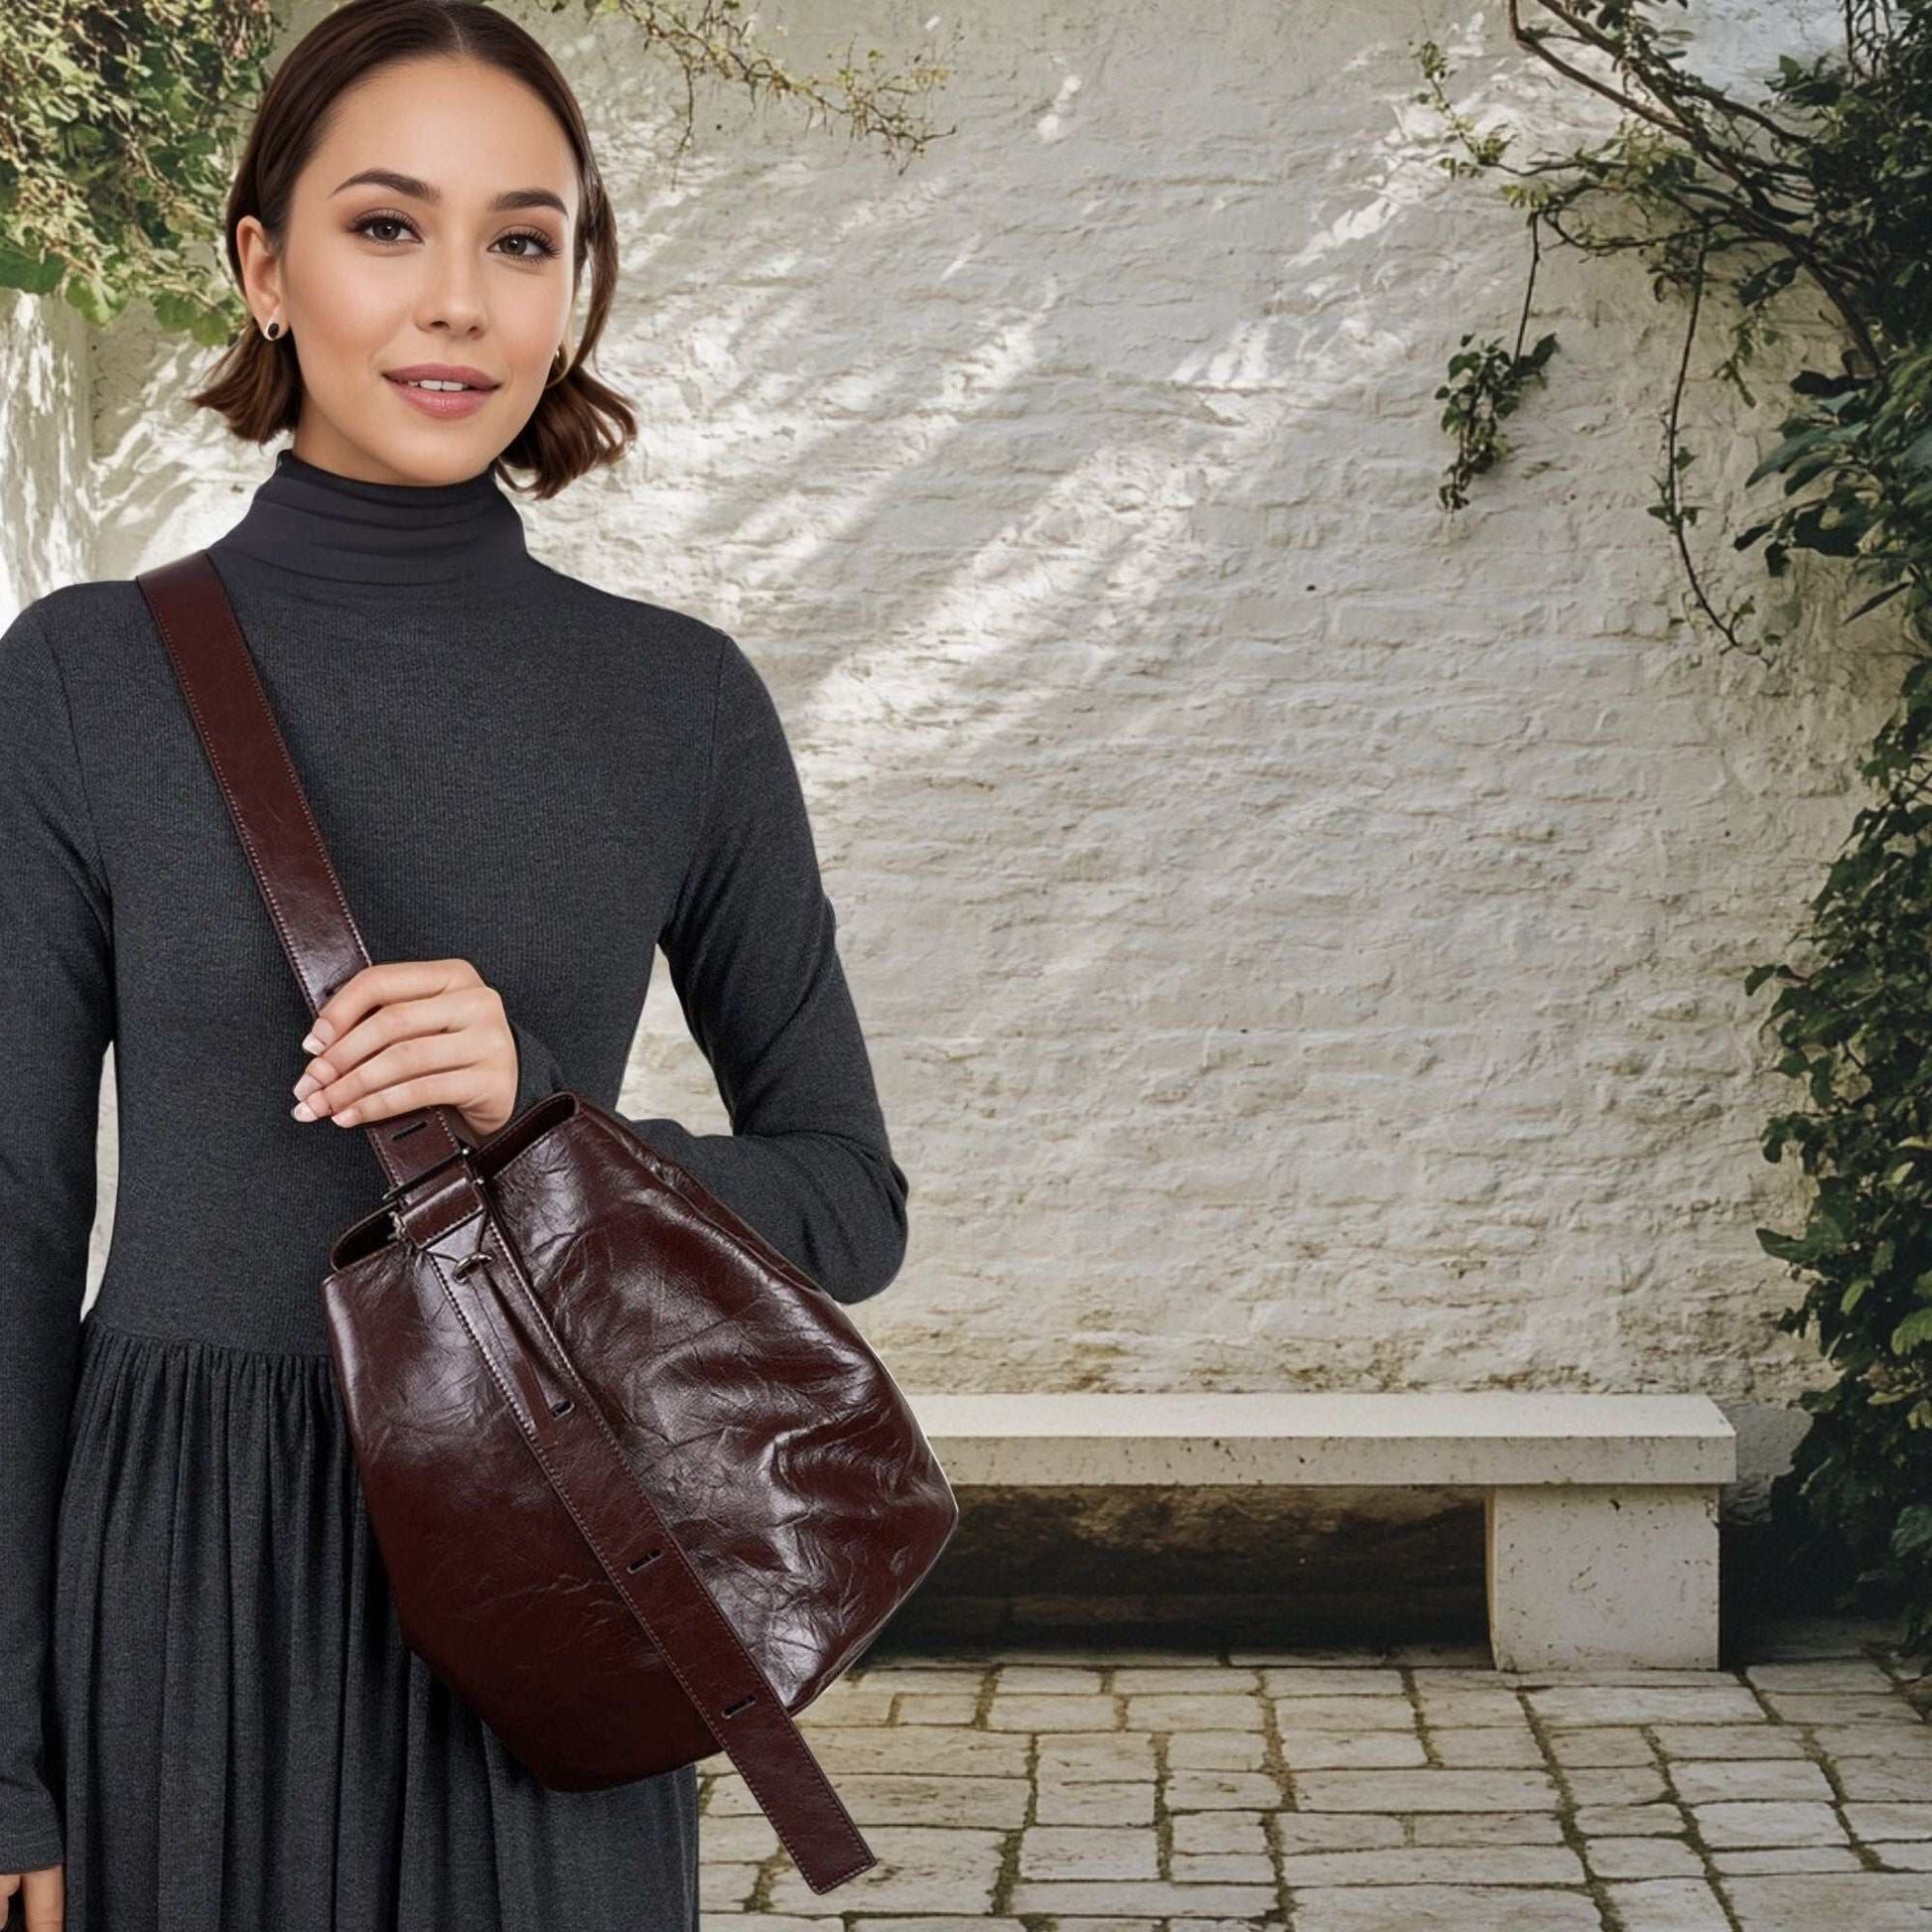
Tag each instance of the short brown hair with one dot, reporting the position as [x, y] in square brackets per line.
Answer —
[579, 421]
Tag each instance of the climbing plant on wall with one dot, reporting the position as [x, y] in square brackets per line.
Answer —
[123, 119]
[1818, 189]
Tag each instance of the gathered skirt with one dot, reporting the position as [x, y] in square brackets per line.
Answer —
[241, 1740]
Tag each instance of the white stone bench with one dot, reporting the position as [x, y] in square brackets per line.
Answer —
[1600, 1510]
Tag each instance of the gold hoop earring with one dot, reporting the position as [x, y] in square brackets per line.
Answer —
[560, 363]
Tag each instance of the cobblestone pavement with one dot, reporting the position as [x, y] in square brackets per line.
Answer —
[1081, 1789]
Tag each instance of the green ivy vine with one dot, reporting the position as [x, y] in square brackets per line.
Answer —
[1823, 186]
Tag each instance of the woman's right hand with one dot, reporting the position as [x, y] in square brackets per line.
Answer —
[43, 1894]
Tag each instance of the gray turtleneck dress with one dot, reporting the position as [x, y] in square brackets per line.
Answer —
[207, 1708]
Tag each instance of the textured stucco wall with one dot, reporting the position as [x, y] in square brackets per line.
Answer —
[1300, 935]
[47, 514]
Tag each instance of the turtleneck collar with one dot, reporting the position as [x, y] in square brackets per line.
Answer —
[319, 523]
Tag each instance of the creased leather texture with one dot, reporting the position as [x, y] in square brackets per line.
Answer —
[641, 1488]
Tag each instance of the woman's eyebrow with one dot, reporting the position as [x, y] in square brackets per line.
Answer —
[422, 191]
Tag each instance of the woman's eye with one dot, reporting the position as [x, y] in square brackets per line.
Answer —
[369, 222]
[540, 243]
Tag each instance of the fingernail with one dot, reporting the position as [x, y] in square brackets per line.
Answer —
[345, 1118]
[302, 1110]
[311, 1042]
[305, 1086]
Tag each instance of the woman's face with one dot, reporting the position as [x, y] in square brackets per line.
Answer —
[460, 254]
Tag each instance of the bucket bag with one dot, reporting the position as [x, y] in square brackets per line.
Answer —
[640, 1487]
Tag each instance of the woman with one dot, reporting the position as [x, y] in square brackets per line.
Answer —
[209, 1719]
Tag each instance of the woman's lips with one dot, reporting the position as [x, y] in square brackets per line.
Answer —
[443, 403]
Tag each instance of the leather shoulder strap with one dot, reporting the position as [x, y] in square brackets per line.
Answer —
[278, 831]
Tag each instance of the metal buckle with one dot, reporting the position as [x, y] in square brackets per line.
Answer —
[392, 1194]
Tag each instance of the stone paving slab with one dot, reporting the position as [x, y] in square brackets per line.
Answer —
[1092, 1789]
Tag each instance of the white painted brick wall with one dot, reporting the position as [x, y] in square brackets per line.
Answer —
[1300, 936]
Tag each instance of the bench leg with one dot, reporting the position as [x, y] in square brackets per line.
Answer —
[1610, 1575]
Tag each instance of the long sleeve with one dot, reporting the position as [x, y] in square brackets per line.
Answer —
[56, 1011]
[751, 942]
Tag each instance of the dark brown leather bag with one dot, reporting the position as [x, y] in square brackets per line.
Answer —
[640, 1487]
